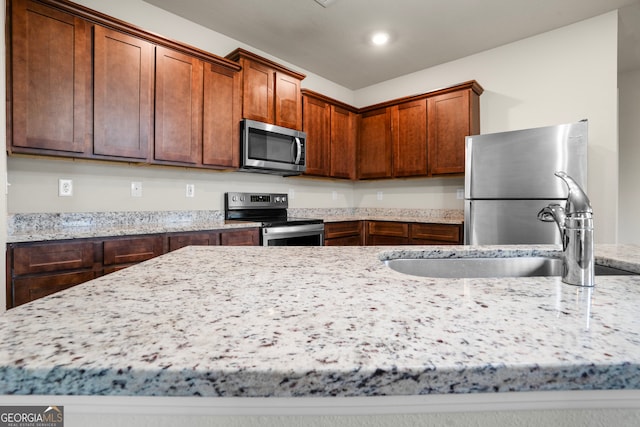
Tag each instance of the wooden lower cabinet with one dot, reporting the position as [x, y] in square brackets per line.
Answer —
[377, 233]
[27, 289]
[244, 237]
[387, 233]
[406, 233]
[120, 253]
[436, 234]
[196, 238]
[37, 269]
[343, 233]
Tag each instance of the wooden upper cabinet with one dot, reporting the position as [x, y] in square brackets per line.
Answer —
[451, 117]
[270, 92]
[178, 112]
[123, 95]
[374, 148]
[317, 126]
[50, 89]
[344, 137]
[221, 117]
[409, 131]
[257, 92]
[288, 101]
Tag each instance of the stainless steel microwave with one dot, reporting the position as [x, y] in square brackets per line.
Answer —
[272, 149]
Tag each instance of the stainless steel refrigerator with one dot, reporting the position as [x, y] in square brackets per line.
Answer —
[510, 177]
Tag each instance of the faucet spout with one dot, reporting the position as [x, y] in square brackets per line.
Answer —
[575, 224]
[577, 200]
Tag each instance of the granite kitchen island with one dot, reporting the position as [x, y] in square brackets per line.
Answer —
[295, 322]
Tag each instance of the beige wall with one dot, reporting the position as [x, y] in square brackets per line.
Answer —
[560, 76]
[629, 226]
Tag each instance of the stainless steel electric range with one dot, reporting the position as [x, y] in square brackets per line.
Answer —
[270, 210]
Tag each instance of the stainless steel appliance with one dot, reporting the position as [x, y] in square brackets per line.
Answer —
[270, 210]
[272, 149]
[510, 177]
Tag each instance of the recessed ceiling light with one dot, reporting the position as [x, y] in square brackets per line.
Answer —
[380, 38]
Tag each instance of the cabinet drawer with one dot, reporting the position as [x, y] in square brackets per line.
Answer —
[333, 230]
[132, 250]
[50, 257]
[30, 288]
[446, 233]
[193, 239]
[390, 229]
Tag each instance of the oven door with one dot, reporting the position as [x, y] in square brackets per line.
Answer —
[293, 235]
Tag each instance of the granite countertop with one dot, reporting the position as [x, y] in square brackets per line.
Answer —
[324, 321]
[61, 226]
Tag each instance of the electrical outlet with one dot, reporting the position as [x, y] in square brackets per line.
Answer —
[191, 190]
[379, 195]
[65, 187]
[292, 194]
[136, 189]
[334, 195]
[460, 194]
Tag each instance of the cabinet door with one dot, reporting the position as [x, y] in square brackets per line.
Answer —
[246, 237]
[344, 136]
[409, 131]
[178, 114]
[374, 149]
[27, 289]
[288, 101]
[51, 70]
[333, 230]
[221, 117]
[257, 92]
[123, 95]
[317, 127]
[344, 233]
[451, 117]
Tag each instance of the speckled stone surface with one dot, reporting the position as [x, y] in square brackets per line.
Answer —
[440, 216]
[323, 321]
[60, 226]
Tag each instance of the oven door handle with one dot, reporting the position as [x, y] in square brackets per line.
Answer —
[294, 229]
[298, 148]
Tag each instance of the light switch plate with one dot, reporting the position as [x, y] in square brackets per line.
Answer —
[190, 190]
[136, 189]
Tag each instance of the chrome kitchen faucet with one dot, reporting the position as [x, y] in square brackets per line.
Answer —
[575, 223]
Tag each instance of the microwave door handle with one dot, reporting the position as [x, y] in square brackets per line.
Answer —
[298, 151]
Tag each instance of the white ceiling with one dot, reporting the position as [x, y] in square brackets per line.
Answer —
[332, 42]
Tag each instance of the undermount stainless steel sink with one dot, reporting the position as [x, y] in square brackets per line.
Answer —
[487, 267]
